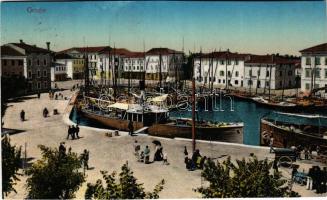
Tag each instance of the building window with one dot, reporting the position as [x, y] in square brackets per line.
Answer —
[20, 62]
[267, 83]
[29, 74]
[325, 73]
[326, 61]
[307, 86]
[250, 72]
[222, 62]
[236, 82]
[249, 82]
[280, 83]
[221, 73]
[280, 73]
[38, 73]
[258, 72]
[317, 73]
[267, 74]
[223, 80]
[45, 73]
[308, 61]
[228, 62]
[236, 74]
[236, 62]
[29, 62]
[4, 62]
[38, 85]
[317, 62]
[290, 73]
[219, 81]
[44, 62]
[307, 73]
[38, 62]
[289, 83]
[44, 84]
[13, 62]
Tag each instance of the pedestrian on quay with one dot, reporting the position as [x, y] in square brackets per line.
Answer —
[146, 155]
[185, 152]
[38, 95]
[69, 132]
[22, 115]
[130, 127]
[62, 148]
[85, 159]
[77, 131]
[271, 143]
[275, 166]
[73, 132]
[306, 153]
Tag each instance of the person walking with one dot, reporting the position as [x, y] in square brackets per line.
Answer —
[22, 115]
[185, 152]
[38, 95]
[77, 131]
[130, 127]
[146, 155]
[69, 132]
[85, 159]
[271, 143]
[62, 148]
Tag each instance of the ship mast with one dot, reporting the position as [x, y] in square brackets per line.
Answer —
[193, 109]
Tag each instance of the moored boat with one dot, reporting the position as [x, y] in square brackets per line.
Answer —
[290, 129]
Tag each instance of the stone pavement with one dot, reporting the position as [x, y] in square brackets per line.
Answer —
[111, 153]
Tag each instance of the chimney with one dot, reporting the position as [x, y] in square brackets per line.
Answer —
[48, 45]
[21, 41]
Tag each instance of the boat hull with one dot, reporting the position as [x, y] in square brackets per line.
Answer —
[224, 134]
[285, 138]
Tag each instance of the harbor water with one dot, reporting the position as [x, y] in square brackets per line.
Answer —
[241, 111]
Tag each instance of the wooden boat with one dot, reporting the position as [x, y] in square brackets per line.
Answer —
[158, 123]
[275, 104]
[226, 132]
[299, 131]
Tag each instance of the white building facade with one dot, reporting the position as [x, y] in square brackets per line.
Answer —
[270, 72]
[314, 70]
[222, 69]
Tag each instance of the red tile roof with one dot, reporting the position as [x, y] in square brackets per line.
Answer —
[123, 52]
[321, 48]
[86, 49]
[162, 51]
[9, 51]
[271, 59]
[31, 48]
[222, 55]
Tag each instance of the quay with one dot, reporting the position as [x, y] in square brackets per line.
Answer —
[111, 153]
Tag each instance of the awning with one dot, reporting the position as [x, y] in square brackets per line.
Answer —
[122, 106]
[159, 98]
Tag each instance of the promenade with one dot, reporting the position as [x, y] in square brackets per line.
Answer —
[111, 153]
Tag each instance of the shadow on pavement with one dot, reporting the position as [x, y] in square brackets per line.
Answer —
[5, 131]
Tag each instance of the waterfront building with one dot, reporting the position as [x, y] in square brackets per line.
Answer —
[314, 69]
[58, 72]
[270, 72]
[134, 65]
[13, 62]
[163, 62]
[74, 66]
[93, 57]
[37, 64]
[223, 69]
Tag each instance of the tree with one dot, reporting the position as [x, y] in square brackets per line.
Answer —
[125, 188]
[251, 178]
[55, 175]
[10, 165]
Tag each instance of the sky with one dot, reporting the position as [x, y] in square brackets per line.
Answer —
[245, 27]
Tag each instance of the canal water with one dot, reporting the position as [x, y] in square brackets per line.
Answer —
[242, 111]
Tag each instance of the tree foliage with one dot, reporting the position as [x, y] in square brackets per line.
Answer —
[126, 187]
[253, 178]
[55, 175]
[11, 161]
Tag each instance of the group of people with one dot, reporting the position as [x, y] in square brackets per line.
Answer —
[317, 179]
[144, 156]
[59, 95]
[73, 132]
[196, 161]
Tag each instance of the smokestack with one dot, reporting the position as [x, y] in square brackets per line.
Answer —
[21, 41]
[48, 45]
